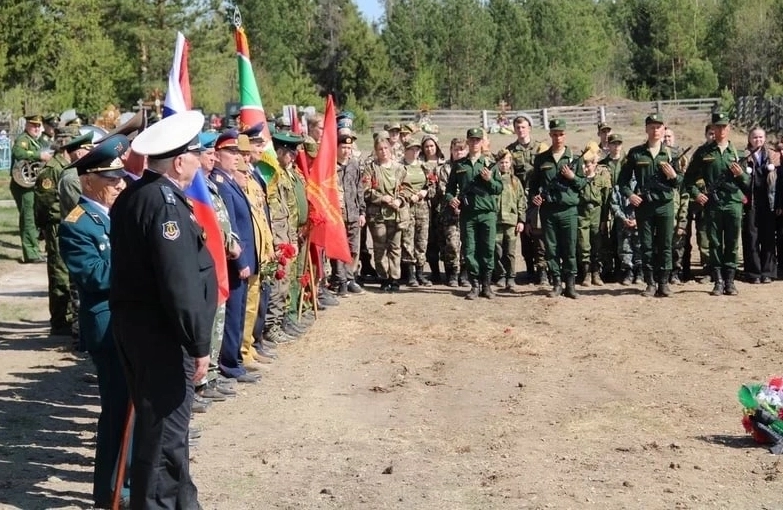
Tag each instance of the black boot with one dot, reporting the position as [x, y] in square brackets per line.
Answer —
[408, 275]
[637, 274]
[486, 288]
[717, 280]
[542, 278]
[730, 289]
[434, 270]
[675, 278]
[663, 285]
[423, 281]
[570, 288]
[451, 277]
[649, 290]
[473, 293]
[463, 279]
[557, 288]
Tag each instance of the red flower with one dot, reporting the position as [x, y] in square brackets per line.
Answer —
[747, 424]
[775, 383]
[287, 251]
[432, 178]
[304, 280]
[279, 274]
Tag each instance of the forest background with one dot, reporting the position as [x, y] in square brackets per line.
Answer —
[466, 54]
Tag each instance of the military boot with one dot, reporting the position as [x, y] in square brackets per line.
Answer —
[730, 289]
[584, 279]
[423, 281]
[434, 270]
[675, 278]
[451, 277]
[542, 278]
[663, 285]
[473, 293]
[463, 279]
[570, 288]
[649, 290]
[717, 280]
[509, 286]
[557, 288]
[627, 276]
[637, 272]
[486, 288]
[408, 276]
[596, 276]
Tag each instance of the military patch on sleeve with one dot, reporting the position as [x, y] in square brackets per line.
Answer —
[46, 183]
[168, 196]
[170, 230]
[74, 215]
[23, 144]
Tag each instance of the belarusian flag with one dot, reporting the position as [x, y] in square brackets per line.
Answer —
[251, 111]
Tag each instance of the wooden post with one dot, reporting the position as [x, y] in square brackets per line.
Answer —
[484, 119]
[126, 435]
[602, 113]
[545, 118]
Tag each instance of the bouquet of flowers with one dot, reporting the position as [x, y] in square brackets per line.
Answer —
[763, 412]
[275, 268]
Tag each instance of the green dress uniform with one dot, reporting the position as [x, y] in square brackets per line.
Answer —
[655, 215]
[26, 148]
[47, 218]
[559, 217]
[723, 209]
[478, 209]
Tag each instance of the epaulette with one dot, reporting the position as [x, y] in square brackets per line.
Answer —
[219, 178]
[168, 195]
[74, 215]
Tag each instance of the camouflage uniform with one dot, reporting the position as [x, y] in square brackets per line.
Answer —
[385, 223]
[431, 169]
[398, 151]
[448, 227]
[532, 240]
[681, 206]
[610, 258]
[47, 218]
[229, 243]
[415, 237]
[70, 189]
[593, 211]
[628, 242]
[298, 203]
[284, 221]
[512, 208]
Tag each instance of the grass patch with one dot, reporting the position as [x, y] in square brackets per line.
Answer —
[10, 244]
[5, 186]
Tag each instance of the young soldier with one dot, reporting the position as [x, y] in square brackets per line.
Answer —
[593, 220]
[512, 207]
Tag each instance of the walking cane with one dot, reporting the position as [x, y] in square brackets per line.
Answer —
[126, 435]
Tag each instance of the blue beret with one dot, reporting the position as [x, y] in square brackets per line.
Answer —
[207, 139]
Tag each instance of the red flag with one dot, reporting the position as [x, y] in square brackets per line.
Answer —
[327, 229]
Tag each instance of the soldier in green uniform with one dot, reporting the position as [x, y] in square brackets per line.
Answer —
[726, 182]
[613, 161]
[395, 130]
[27, 148]
[47, 219]
[593, 219]
[655, 170]
[49, 131]
[604, 132]
[472, 188]
[554, 187]
[512, 206]
[681, 203]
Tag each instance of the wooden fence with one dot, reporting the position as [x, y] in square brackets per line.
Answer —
[627, 113]
[759, 111]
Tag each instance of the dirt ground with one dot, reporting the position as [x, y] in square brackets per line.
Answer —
[424, 400]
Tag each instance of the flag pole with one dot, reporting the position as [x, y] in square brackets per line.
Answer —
[122, 460]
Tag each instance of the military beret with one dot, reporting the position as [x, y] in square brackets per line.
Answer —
[720, 119]
[287, 140]
[345, 114]
[254, 132]
[475, 133]
[346, 131]
[207, 139]
[653, 118]
[345, 140]
[104, 159]
[79, 142]
[615, 138]
[34, 119]
[243, 143]
[227, 140]
[604, 126]
[393, 126]
[557, 125]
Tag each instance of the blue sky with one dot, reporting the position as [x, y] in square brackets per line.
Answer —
[371, 9]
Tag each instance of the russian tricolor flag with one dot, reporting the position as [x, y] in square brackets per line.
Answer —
[178, 100]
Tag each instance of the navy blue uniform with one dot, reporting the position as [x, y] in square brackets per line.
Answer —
[242, 225]
[163, 300]
[86, 250]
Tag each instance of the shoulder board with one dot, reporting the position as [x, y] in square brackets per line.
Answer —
[219, 178]
[168, 195]
[74, 215]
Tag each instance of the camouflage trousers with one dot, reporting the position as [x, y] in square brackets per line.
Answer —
[678, 250]
[218, 326]
[589, 237]
[61, 307]
[450, 244]
[296, 270]
[416, 236]
[629, 248]
[505, 251]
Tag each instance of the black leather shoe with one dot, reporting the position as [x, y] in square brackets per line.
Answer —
[354, 288]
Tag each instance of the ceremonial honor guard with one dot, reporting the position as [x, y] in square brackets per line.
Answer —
[163, 299]
[86, 250]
